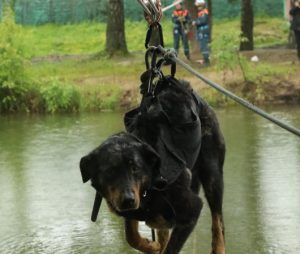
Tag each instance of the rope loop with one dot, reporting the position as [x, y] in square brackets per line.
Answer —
[154, 61]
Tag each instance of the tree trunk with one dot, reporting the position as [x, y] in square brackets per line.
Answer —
[115, 30]
[291, 35]
[190, 6]
[247, 23]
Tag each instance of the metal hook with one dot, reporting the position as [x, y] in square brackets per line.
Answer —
[150, 50]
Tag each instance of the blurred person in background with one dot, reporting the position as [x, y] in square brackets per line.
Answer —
[203, 31]
[181, 21]
[295, 13]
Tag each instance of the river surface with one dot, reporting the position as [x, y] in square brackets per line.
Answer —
[45, 207]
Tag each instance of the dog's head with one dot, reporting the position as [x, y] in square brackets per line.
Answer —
[121, 169]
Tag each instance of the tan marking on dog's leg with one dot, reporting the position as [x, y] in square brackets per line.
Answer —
[218, 238]
[136, 241]
[163, 236]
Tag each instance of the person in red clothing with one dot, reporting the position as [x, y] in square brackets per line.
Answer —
[181, 21]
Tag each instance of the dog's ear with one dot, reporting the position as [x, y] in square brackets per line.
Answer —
[87, 167]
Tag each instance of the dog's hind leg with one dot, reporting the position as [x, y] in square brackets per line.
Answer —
[135, 240]
[210, 164]
[213, 192]
[187, 209]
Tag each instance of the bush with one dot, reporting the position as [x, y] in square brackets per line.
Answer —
[59, 97]
[13, 80]
[225, 50]
[100, 97]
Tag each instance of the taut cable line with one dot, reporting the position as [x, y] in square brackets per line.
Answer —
[171, 55]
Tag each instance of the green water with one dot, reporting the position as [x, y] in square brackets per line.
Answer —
[45, 208]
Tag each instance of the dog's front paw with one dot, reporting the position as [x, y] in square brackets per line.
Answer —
[151, 247]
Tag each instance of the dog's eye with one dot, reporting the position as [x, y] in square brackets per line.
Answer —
[134, 169]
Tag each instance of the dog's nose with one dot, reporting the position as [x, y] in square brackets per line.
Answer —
[128, 200]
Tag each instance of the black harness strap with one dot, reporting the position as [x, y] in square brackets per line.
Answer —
[96, 207]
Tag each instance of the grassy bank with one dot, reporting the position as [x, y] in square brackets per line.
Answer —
[85, 38]
[89, 38]
[89, 81]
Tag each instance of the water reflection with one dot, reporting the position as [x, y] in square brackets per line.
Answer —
[45, 208]
[279, 177]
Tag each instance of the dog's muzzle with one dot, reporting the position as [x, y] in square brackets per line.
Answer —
[128, 202]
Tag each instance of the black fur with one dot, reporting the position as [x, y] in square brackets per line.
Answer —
[155, 170]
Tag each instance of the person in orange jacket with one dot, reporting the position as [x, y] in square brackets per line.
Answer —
[203, 31]
[181, 21]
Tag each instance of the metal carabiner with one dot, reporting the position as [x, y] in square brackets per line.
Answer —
[152, 9]
[150, 52]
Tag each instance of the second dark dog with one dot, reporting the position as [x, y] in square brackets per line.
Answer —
[154, 172]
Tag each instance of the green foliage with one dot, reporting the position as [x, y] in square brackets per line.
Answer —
[50, 39]
[226, 55]
[246, 77]
[13, 79]
[100, 97]
[270, 31]
[84, 38]
[89, 38]
[226, 41]
[231, 8]
[74, 11]
[265, 72]
[97, 83]
[60, 97]
[225, 50]
[39, 12]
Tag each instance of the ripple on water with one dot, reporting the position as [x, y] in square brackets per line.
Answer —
[47, 208]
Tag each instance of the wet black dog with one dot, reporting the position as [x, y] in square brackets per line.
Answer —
[153, 173]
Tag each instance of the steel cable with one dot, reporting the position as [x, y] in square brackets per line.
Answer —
[171, 55]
